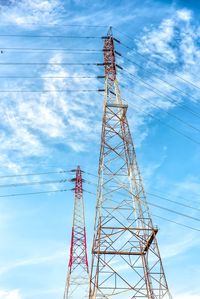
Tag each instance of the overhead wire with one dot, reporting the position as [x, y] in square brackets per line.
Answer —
[166, 219]
[57, 25]
[63, 190]
[52, 90]
[167, 125]
[157, 196]
[32, 174]
[60, 190]
[52, 77]
[34, 183]
[157, 190]
[154, 62]
[51, 36]
[156, 76]
[159, 93]
[173, 201]
[175, 222]
[173, 211]
[33, 193]
[55, 63]
[185, 199]
[158, 107]
[72, 50]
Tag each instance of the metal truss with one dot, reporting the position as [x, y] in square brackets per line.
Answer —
[78, 273]
[126, 262]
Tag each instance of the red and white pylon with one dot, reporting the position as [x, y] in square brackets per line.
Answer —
[78, 273]
[126, 261]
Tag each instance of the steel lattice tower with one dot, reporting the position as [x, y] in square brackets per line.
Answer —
[126, 262]
[78, 273]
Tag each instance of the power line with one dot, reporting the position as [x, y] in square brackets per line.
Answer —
[169, 220]
[53, 90]
[173, 211]
[152, 194]
[173, 201]
[54, 63]
[52, 77]
[56, 25]
[41, 173]
[160, 93]
[34, 183]
[92, 174]
[194, 201]
[154, 105]
[77, 50]
[64, 190]
[152, 61]
[33, 193]
[162, 80]
[32, 174]
[175, 222]
[167, 125]
[51, 36]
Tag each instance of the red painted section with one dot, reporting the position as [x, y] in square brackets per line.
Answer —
[78, 248]
[71, 248]
[109, 58]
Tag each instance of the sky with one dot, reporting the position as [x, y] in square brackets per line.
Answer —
[55, 131]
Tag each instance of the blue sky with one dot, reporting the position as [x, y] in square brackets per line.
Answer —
[53, 131]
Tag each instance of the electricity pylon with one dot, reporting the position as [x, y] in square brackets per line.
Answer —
[78, 273]
[126, 262]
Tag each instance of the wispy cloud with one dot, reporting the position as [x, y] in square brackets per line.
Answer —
[14, 294]
[37, 260]
[23, 12]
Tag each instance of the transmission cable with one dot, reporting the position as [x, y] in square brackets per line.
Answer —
[194, 201]
[33, 193]
[157, 106]
[73, 50]
[53, 90]
[52, 77]
[51, 36]
[175, 222]
[32, 174]
[173, 201]
[180, 224]
[167, 125]
[57, 25]
[162, 80]
[156, 63]
[196, 209]
[56, 63]
[154, 195]
[160, 93]
[172, 211]
[35, 183]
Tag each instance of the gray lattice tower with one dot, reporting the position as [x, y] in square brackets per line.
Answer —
[126, 262]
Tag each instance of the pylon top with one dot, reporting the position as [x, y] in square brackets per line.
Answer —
[110, 33]
[109, 57]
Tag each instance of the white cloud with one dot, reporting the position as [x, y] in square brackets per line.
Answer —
[35, 122]
[173, 45]
[179, 245]
[184, 14]
[190, 185]
[156, 40]
[31, 11]
[15, 294]
[37, 260]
